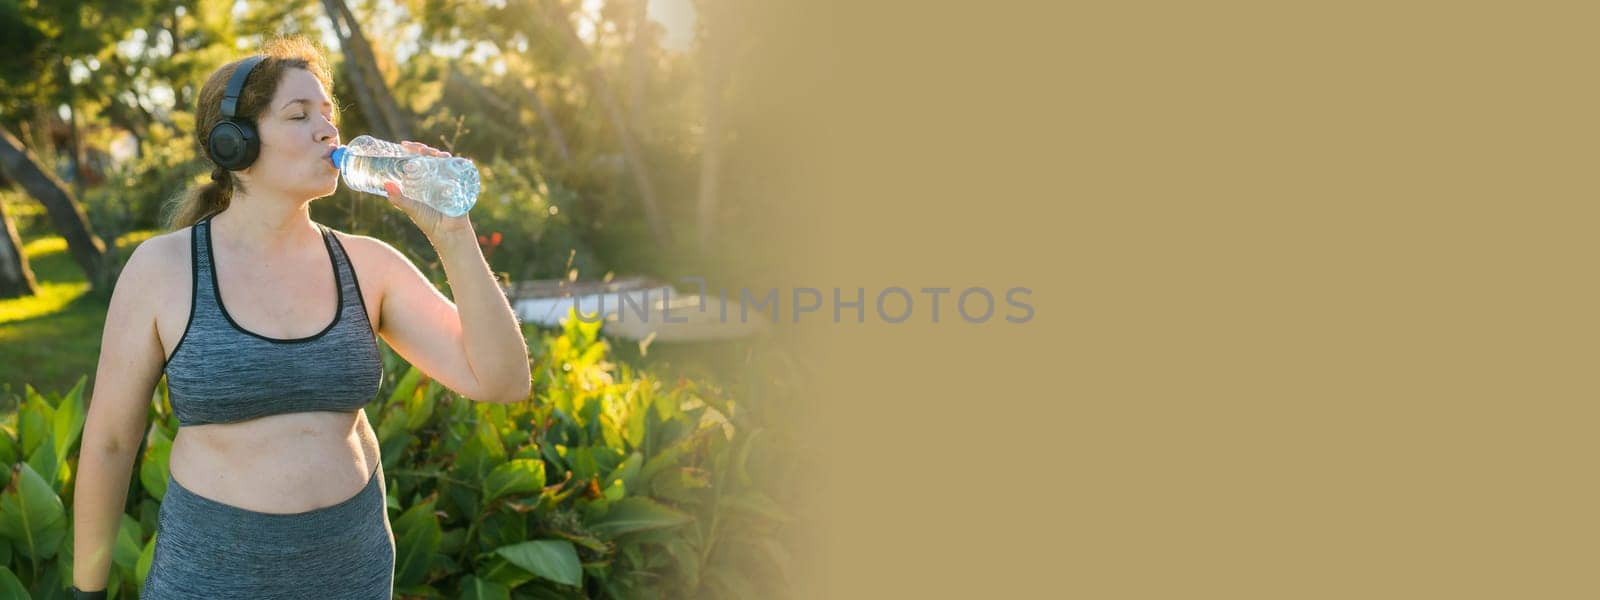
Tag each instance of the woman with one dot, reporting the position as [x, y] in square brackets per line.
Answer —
[264, 323]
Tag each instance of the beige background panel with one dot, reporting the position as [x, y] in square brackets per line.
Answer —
[1314, 296]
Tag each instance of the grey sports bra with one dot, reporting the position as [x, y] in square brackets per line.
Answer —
[221, 373]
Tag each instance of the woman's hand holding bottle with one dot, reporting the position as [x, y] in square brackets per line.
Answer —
[432, 187]
[432, 222]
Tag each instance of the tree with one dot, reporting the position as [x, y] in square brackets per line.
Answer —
[715, 52]
[361, 67]
[557, 16]
[86, 248]
[16, 278]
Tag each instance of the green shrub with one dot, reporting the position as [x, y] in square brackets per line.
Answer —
[606, 483]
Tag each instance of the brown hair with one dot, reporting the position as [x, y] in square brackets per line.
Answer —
[283, 53]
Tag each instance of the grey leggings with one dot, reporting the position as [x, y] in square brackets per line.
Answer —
[208, 549]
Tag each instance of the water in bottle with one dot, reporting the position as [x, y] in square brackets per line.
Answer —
[448, 184]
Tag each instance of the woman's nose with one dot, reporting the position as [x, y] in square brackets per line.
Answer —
[329, 133]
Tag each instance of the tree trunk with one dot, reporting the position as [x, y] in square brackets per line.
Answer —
[714, 57]
[174, 26]
[74, 142]
[557, 15]
[635, 69]
[710, 166]
[357, 74]
[65, 213]
[16, 279]
[362, 66]
[358, 84]
[173, 22]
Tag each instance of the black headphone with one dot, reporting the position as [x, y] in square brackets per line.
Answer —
[233, 143]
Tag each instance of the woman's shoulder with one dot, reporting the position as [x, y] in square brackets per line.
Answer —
[160, 263]
[165, 249]
[357, 244]
[369, 254]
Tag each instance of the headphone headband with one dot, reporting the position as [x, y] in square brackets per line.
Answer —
[230, 94]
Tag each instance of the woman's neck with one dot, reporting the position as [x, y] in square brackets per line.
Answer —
[253, 224]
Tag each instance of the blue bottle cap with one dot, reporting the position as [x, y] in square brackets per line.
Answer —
[337, 157]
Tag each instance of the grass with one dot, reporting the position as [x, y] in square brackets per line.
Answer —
[51, 339]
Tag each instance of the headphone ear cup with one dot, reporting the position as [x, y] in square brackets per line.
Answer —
[233, 145]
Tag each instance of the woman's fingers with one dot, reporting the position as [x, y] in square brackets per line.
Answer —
[422, 148]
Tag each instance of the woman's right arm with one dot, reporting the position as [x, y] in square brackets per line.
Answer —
[130, 364]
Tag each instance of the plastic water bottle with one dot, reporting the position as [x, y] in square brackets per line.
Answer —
[448, 184]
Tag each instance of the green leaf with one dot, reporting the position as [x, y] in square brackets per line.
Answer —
[561, 399]
[742, 456]
[516, 476]
[10, 452]
[555, 560]
[52, 583]
[33, 422]
[10, 586]
[673, 453]
[517, 438]
[583, 540]
[473, 588]
[45, 464]
[444, 564]
[452, 540]
[417, 544]
[418, 515]
[638, 420]
[405, 387]
[126, 552]
[420, 590]
[582, 462]
[394, 448]
[32, 515]
[146, 555]
[393, 425]
[69, 416]
[628, 471]
[501, 528]
[681, 485]
[629, 515]
[757, 504]
[419, 407]
[615, 491]
[688, 560]
[501, 571]
[153, 469]
[480, 453]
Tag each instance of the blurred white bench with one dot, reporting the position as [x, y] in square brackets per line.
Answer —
[547, 301]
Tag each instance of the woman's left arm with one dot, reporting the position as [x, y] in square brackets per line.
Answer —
[473, 345]
[492, 338]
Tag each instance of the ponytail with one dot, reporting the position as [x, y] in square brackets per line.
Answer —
[201, 201]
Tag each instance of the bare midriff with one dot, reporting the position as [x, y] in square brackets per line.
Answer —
[281, 464]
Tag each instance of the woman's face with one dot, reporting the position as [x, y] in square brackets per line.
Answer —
[297, 135]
